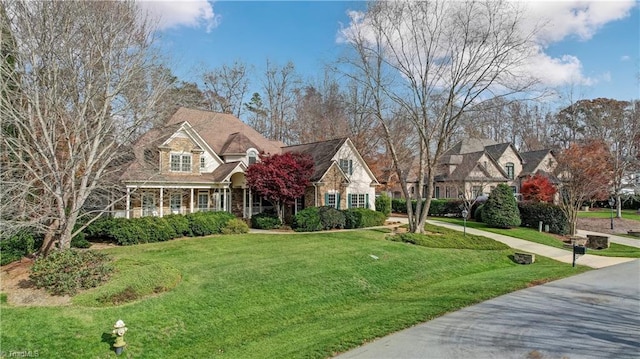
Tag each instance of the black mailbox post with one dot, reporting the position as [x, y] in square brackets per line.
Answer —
[578, 251]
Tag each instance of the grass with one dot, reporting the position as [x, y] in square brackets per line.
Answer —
[606, 213]
[529, 234]
[270, 296]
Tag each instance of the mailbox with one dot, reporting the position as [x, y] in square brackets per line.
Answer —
[579, 250]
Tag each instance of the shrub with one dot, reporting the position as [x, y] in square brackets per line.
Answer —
[265, 220]
[362, 218]
[100, 229]
[399, 205]
[207, 223]
[235, 226]
[66, 272]
[128, 231]
[477, 213]
[15, 247]
[180, 225]
[501, 209]
[383, 204]
[453, 207]
[79, 241]
[331, 218]
[531, 213]
[437, 207]
[474, 210]
[159, 229]
[307, 220]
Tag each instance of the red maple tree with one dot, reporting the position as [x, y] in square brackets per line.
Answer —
[538, 188]
[280, 179]
[586, 171]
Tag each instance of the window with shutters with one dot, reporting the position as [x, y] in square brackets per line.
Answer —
[346, 166]
[358, 200]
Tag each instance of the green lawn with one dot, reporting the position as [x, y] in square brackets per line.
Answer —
[529, 234]
[269, 296]
[606, 213]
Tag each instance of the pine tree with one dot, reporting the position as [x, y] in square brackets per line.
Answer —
[501, 209]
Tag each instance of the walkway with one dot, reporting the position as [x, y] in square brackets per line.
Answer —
[558, 254]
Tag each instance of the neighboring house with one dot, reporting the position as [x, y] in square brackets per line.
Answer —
[630, 184]
[197, 162]
[473, 167]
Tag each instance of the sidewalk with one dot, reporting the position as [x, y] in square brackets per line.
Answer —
[558, 254]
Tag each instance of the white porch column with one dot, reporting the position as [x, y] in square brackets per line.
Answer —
[250, 204]
[224, 203]
[161, 201]
[128, 205]
[244, 203]
[191, 206]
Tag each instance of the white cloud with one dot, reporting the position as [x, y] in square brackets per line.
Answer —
[555, 21]
[175, 13]
[579, 19]
[624, 58]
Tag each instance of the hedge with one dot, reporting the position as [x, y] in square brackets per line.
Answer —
[531, 213]
[362, 218]
[307, 220]
[15, 247]
[383, 204]
[125, 231]
[265, 220]
[331, 218]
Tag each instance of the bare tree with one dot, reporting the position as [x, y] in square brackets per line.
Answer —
[226, 87]
[436, 60]
[75, 106]
[279, 87]
[320, 111]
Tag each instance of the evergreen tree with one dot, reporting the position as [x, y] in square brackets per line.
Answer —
[501, 209]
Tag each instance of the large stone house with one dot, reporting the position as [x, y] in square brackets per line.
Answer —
[197, 162]
[473, 167]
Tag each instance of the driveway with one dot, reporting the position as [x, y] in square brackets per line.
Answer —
[591, 315]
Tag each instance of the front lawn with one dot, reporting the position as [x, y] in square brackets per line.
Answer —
[529, 234]
[269, 296]
[606, 213]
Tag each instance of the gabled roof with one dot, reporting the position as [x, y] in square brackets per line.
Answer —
[496, 151]
[322, 153]
[216, 128]
[237, 143]
[470, 162]
[532, 160]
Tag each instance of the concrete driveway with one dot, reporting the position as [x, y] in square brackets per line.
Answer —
[591, 315]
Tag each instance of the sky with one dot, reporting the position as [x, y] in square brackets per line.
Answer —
[587, 49]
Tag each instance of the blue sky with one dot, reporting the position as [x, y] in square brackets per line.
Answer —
[591, 47]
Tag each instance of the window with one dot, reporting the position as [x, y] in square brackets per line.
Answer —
[510, 170]
[358, 200]
[447, 192]
[437, 192]
[346, 166]
[203, 163]
[176, 203]
[253, 157]
[149, 204]
[476, 191]
[514, 189]
[180, 163]
[203, 200]
[332, 200]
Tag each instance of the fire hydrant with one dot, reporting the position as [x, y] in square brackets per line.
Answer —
[119, 330]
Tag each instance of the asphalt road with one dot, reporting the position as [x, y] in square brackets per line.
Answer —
[591, 315]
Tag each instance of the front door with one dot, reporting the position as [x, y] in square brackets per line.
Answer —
[149, 204]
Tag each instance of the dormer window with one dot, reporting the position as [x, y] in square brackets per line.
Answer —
[253, 156]
[180, 163]
[203, 163]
